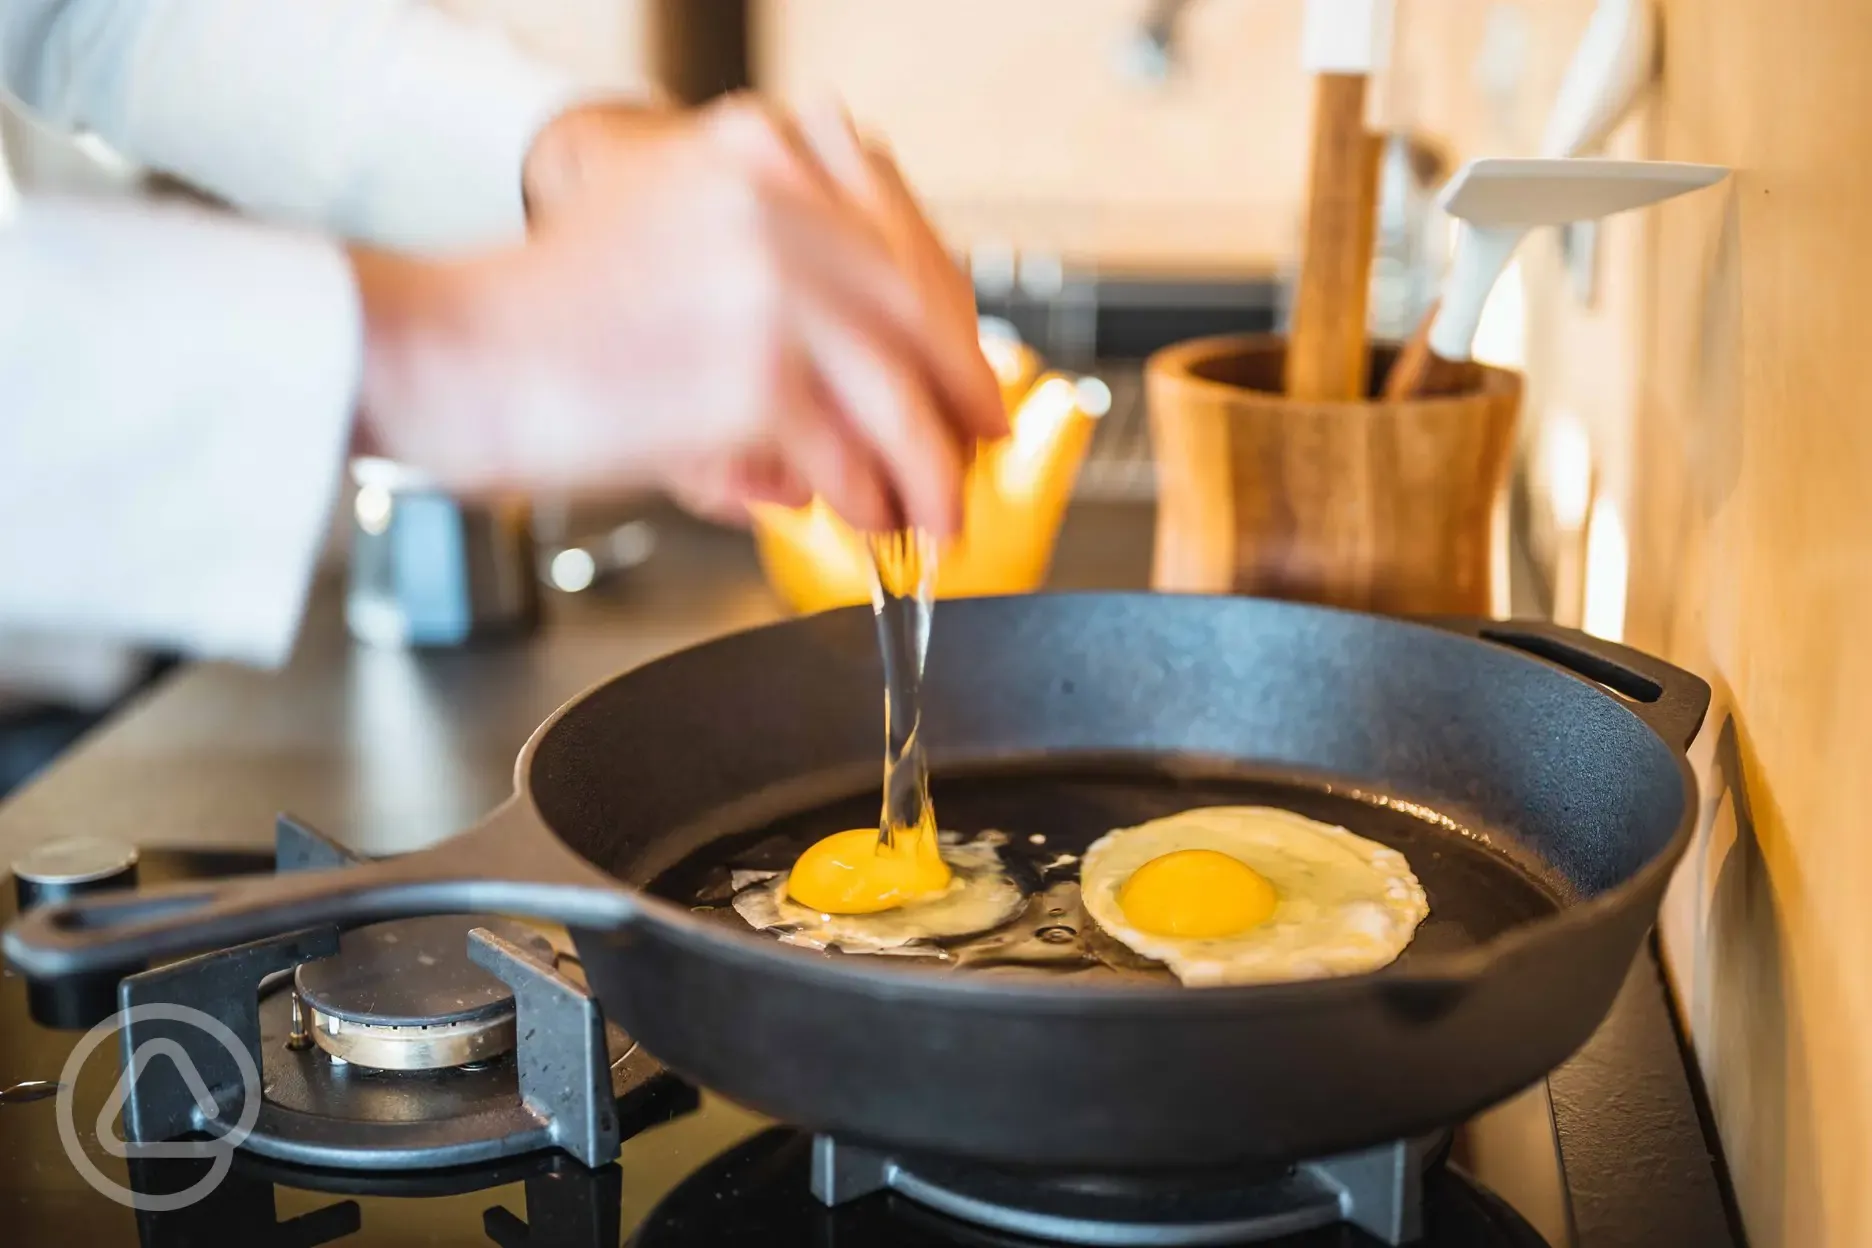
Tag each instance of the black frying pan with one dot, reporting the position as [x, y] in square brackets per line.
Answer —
[1534, 777]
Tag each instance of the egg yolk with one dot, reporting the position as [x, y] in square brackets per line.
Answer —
[850, 873]
[1196, 893]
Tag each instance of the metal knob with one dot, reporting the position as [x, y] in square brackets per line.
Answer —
[58, 871]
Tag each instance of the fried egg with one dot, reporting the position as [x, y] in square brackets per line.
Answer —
[976, 896]
[1252, 894]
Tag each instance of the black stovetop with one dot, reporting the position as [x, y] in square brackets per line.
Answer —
[1611, 1151]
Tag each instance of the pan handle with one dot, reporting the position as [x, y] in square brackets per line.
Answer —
[510, 863]
[1671, 701]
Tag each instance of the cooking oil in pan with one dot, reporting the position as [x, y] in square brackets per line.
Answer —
[1043, 814]
[1049, 933]
[1002, 894]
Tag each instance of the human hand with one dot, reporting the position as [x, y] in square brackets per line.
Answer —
[704, 305]
[594, 151]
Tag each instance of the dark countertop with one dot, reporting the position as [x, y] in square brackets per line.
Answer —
[391, 750]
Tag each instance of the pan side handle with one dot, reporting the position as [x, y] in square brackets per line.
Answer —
[508, 864]
[1671, 701]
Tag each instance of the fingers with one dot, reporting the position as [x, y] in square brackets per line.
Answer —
[766, 477]
[893, 389]
[871, 178]
[723, 490]
[825, 249]
[874, 389]
[977, 395]
[911, 281]
[825, 454]
[825, 270]
[827, 131]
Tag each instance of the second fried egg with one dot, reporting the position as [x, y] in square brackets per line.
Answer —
[1251, 894]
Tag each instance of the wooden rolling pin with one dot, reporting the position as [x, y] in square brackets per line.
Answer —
[1326, 354]
[1327, 359]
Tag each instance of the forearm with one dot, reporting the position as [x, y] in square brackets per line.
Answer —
[423, 328]
[379, 120]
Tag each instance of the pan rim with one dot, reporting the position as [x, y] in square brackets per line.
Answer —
[1430, 973]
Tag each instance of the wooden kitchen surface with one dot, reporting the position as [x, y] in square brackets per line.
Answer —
[1750, 470]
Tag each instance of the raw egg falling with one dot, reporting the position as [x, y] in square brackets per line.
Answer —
[865, 870]
[901, 884]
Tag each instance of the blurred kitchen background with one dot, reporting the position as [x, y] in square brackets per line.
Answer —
[1691, 471]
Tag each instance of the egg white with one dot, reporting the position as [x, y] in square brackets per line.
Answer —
[980, 897]
[1344, 905]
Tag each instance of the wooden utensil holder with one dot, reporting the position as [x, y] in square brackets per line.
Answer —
[1374, 505]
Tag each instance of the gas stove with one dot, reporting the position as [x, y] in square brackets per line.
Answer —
[449, 1081]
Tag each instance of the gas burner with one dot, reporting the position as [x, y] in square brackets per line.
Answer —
[763, 1191]
[1380, 1191]
[393, 1047]
[1636, 1167]
[404, 995]
[567, 1205]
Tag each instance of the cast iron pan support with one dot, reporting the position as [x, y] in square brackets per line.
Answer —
[512, 864]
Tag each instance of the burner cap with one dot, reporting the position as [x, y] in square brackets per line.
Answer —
[403, 995]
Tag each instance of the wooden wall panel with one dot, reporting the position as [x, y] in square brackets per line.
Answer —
[1014, 121]
[1013, 118]
[1719, 375]
[1750, 488]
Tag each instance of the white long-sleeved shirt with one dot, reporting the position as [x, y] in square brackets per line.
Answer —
[177, 386]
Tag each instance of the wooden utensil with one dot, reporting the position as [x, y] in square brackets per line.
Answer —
[1343, 43]
[1369, 175]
